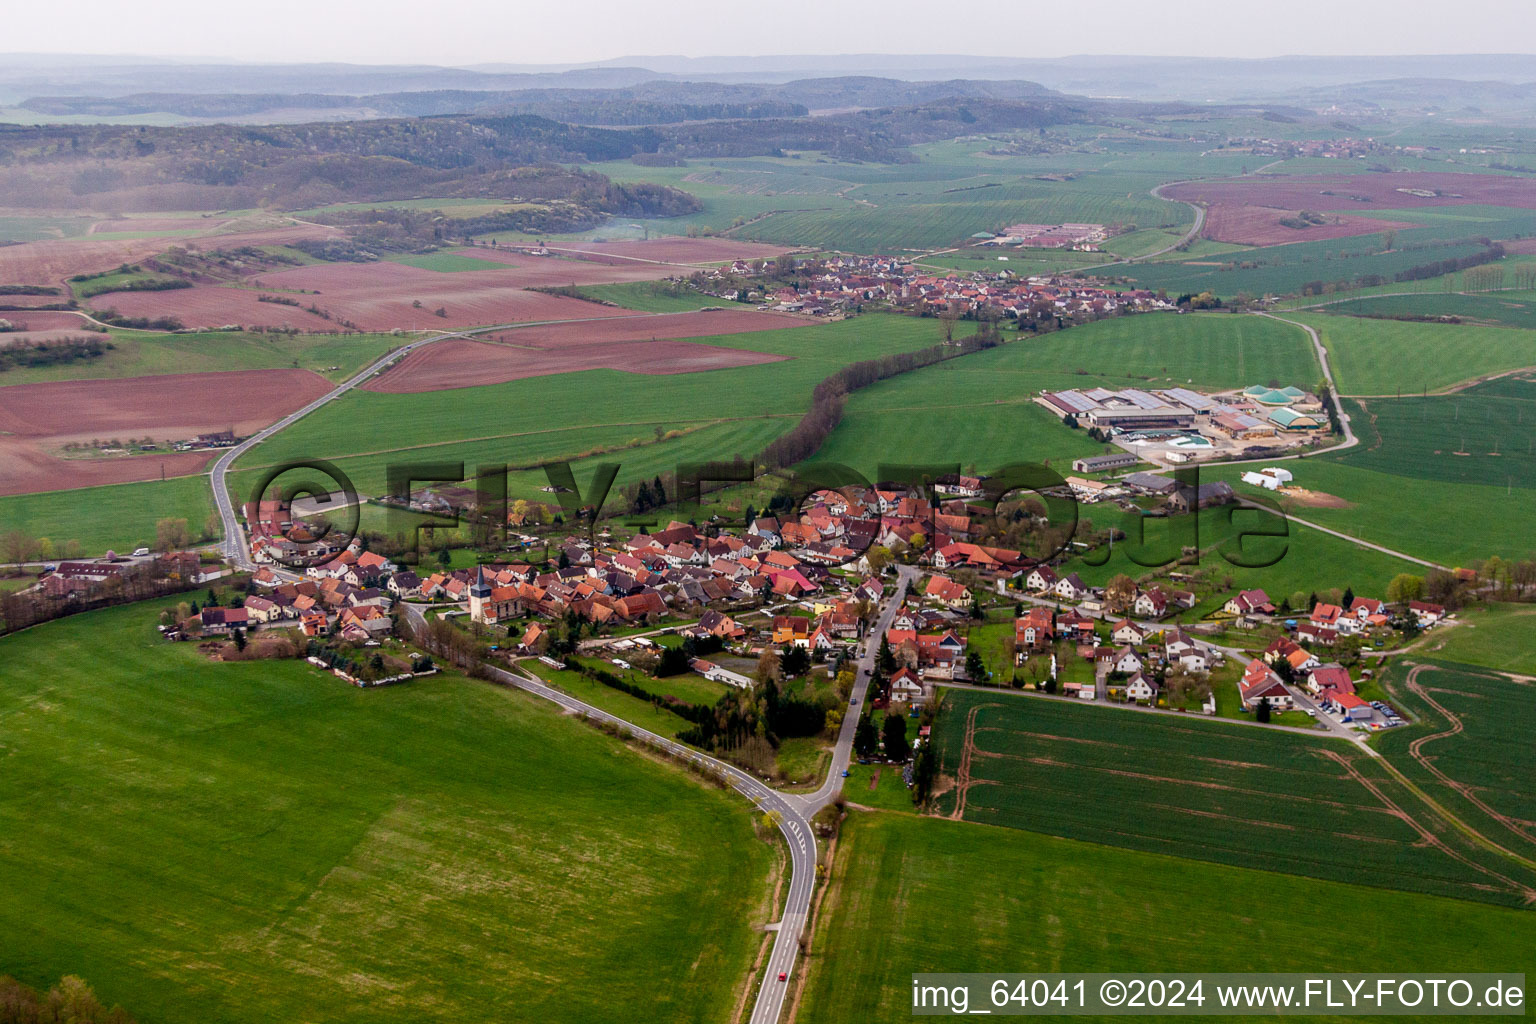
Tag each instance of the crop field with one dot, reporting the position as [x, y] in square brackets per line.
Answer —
[912, 894]
[1470, 747]
[649, 296]
[1362, 191]
[38, 419]
[376, 296]
[635, 344]
[51, 261]
[258, 841]
[144, 354]
[1206, 350]
[1401, 357]
[1280, 269]
[1477, 436]
[119, 517]
[519, 422]
[1499, 309]
[1262, 226]
[1239, 795]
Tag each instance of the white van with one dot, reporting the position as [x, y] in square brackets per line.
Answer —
[140, 552]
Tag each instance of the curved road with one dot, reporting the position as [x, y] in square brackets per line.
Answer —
[235, 546]
[1189, 236]
[793, 810]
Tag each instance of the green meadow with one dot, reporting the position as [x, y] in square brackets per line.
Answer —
[121, 517]
[260, 841]
[534, 420]
[142, 354]
[912, 894]
[1497, 636]
[1404, 357]
[1499, 309]
[649, 296]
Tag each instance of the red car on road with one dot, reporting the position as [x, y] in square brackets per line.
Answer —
[783, 975]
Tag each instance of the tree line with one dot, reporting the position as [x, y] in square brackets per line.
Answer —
[71, 1001]
[807, 436]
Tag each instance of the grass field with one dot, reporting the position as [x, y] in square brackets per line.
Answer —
[1244, 796]
[953, 190]
[102, 283]
[1443, 233]
[980, 410]
[1301, 559]
[1402, 357]
[1470, 748]
[1499, 636]
[527, 422]
[141, 354]
[1453, 524]
[117, 516]
[448, 262]
[1501, 309]
[260, 841]
[650, 296]
[917, 895]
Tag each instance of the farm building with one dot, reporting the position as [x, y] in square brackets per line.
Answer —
[1186, 499]
[1101, 463]
[1151, 483]
[1274, 396]
[1270, 478]
[1129, 408]
[1240, 425]
[1291, 419]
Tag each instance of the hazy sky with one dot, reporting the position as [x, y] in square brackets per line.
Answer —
[524, 32]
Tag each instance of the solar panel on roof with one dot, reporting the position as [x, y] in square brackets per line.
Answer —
[1077, 400]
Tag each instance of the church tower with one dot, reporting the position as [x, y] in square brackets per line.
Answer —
[479, 592]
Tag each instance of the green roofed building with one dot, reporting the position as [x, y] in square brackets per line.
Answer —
[1290, 419]
[1274, 396]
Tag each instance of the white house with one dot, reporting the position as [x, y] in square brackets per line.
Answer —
[1126, 661]
[1141, 687]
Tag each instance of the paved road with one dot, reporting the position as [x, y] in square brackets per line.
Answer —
[1189, 236]
[1037, 695]
[793, 811]
[842, 751]
[235, 546]
[1299, 696]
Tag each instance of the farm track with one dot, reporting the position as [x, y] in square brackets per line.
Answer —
[1527, 893]
[1415, 750]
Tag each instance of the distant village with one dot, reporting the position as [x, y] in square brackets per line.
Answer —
[843, 284]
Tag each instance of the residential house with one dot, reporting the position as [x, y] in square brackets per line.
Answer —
[1249, 602]
[1142, 688]
[1259, 682]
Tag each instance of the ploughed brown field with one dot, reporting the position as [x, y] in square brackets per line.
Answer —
[1360, 191]
[1260, 225]
[634, 344]
[51, 261]
[1247, 211]
[37, 419]
[383, 296]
